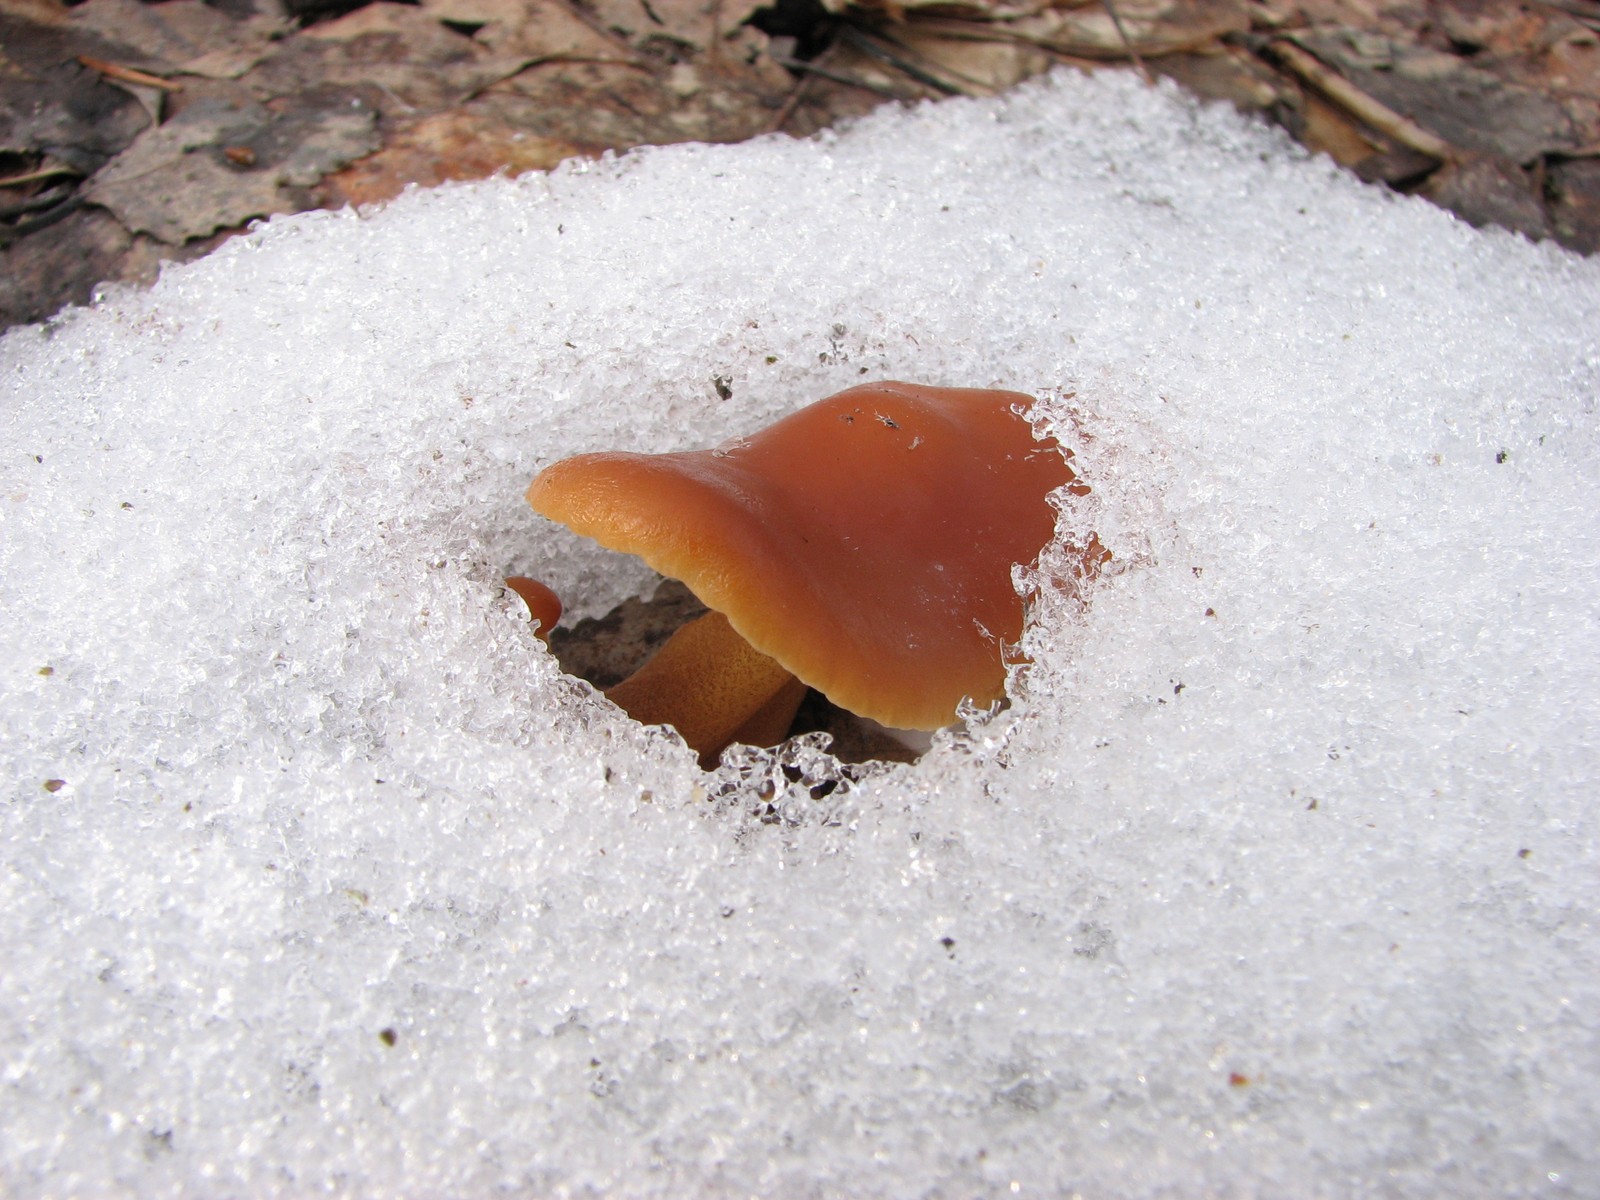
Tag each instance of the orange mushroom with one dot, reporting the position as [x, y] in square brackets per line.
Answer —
[863, 545]
[544, 606]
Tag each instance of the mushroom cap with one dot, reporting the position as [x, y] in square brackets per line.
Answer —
[866, 542]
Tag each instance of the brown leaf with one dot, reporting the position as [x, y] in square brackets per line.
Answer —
[183, 36]
[1153, 27]
[533, 30]
[164, 35]
[1462, 103]
[969, 10]
[179, 181]
[661, 24]
[1325, 128]
[981, 67]
[1485, 190]
[396, 49]
[60, 265]
[1227, 73]
[49, 103]
[1574, 189]
[602, 104]
[40, 12]
[472, 142]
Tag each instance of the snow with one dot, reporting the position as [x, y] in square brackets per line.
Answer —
[1278, 876]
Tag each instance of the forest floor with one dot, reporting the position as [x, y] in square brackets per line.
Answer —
[133, 133]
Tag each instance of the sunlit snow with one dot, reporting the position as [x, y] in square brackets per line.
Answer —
[1278, 877]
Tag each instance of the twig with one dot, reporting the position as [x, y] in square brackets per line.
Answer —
[802, 85]
[1127, 42]
[36, 176]
[956, 30]
[43, 200]
[1356, 102]
[796, 64]
[977, 86]
[129, 74]
[796, 94]
[10, 233]
[867, 46]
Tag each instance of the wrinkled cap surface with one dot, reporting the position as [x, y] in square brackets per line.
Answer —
[865, 542]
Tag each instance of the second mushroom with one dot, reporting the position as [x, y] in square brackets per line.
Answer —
[862, 546]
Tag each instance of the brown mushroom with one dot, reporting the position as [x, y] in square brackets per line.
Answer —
[544, 606]
[864, 544]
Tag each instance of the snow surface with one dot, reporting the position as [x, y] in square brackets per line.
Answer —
[1279, 876]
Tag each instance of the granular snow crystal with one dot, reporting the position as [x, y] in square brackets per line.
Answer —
[1278, 875]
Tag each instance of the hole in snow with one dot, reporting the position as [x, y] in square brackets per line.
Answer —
[606, 650]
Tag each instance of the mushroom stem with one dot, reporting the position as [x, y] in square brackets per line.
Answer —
[544, 606]
[714, 688]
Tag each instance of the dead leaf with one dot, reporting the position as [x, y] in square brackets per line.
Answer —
[229, 63]
[1376, 16]
[1500, 31]
[848, 73]
[183, 36]
[163, 35]
[472, 142]
[824, 96]
[970, 10]
[51, 104]
[383, 17]
[1488, 190]
[61, 265]
[1464, 104]
[1153, 27]
[551, 31]
[40, 12]
[533, 30]
[476, 12]
[658, 26]
[595, 104]
[178, 182]
[983, 67]
[394, 48]
[1574, 188]
[1227, 73]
